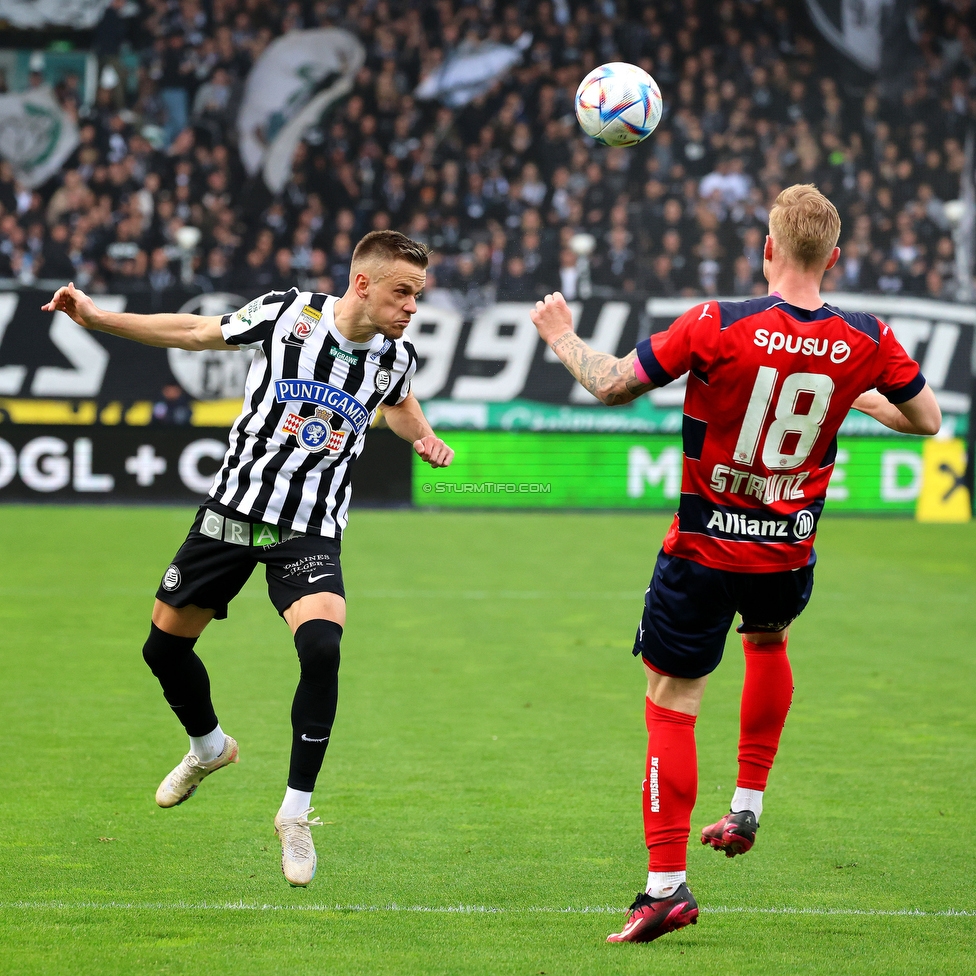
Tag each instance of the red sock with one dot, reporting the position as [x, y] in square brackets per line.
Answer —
[670, 786]
[767, 693]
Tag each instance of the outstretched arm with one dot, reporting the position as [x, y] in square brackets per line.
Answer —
[169, 330]
[920, 415]
[610, 379]
[407, 420]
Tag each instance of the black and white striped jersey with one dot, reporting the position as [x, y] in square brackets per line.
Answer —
[309, 398]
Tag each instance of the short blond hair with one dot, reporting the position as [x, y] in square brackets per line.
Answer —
[805, 224]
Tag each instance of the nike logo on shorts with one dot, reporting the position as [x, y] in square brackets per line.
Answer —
[305, 738]
[315, 579]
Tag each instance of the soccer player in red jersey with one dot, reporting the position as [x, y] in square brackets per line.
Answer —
[770, 382]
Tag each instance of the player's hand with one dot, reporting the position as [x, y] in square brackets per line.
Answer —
[74, 303]
[552, 317]
[434, 451]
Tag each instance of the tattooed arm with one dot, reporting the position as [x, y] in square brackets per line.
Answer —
[609, 379]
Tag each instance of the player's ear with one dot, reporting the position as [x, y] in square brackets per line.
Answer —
[768, 249]
[833, 259]
[361, 284]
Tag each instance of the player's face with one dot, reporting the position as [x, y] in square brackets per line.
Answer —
[393, 298]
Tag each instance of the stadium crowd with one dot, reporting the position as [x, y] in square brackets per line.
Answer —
[755, 100]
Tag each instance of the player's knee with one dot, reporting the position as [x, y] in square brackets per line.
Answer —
[768, 641]
[161, 650]
[317, 643]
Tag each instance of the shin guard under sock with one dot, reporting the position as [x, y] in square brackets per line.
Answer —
[767, 693]
[185, 682]
[670, 786]
[314, 708]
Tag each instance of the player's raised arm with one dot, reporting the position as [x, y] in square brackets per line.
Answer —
[919, 415]
[407, 420]
[611, 379]
[169, 330]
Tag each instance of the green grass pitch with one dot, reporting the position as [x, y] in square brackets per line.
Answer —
[482, 789]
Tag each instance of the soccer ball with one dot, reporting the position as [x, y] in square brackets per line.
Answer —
[618, 104]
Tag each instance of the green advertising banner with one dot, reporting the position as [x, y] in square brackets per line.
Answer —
[509, 469]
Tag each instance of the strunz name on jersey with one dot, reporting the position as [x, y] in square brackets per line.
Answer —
[776, 487]
[314, 391]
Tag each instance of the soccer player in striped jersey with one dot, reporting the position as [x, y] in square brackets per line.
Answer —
[322, 367]
[770, 381]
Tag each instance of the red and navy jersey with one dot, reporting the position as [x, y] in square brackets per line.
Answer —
[769, 385]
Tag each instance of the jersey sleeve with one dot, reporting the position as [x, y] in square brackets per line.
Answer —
[401, 389]
[899, 377]
[686, 344]
[253, 324]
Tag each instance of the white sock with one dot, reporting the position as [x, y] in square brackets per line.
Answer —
[208, 747]
[747, 800]
[662, 884]
[295, 803]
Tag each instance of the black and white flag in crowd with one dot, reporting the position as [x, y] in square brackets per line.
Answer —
[295, 80]
[471, 71]
[36, 136]
[38, 14]
[869, 32]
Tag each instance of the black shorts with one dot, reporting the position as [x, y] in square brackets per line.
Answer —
[688, 609]
[222, 549]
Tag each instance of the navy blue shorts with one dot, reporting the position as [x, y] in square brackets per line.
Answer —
[688, 609]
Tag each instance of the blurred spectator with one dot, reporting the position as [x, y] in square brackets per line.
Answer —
[568, 274]
[161, 275]
[216, 272]
[615, 265]
[515, 284]
[173, 408]
[743, 279]
[661, 281]
[56, 262]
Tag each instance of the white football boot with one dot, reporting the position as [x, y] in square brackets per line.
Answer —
[183, 781]
[297, 850]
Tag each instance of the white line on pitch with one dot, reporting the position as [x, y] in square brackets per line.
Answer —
[635, 594]
[103, 591]
[470, 909]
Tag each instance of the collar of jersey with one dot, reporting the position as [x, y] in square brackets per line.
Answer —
[803, 314]
[347, 344]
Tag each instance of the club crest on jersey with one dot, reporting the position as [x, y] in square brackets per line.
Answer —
[324, 395]
[383, 379]
[305, 324]
[317, 435]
